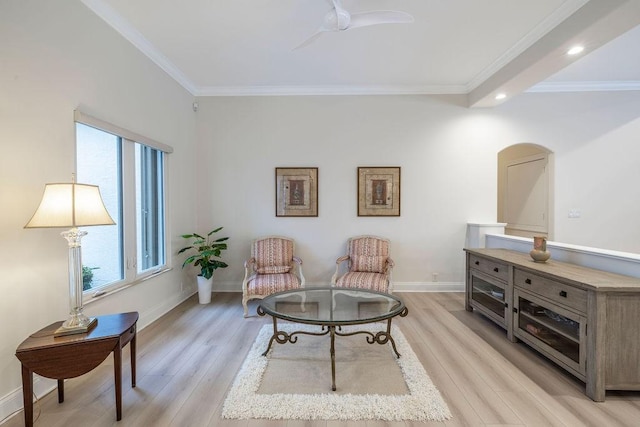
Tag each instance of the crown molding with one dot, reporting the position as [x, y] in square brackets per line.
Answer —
[585, 86]
[329, 90]
[124, 27]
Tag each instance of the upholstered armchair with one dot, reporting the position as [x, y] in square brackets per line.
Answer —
[367, 265]
[271, 268]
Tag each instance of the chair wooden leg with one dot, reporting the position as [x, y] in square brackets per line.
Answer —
[246, 308]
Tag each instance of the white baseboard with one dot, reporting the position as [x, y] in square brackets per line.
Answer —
[397, 286]
[158, 311]
[11, 404]
[428, 287]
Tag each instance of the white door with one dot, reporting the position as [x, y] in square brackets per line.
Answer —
[527, 195]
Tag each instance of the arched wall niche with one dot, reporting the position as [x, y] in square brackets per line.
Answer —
[525, 190]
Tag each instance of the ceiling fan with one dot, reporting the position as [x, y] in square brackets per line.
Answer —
[339, 19]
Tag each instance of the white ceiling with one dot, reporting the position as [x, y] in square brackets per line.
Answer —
[473, 47]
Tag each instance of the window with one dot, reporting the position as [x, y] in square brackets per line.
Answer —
[130, 171]
[149, 206]
[99, 162]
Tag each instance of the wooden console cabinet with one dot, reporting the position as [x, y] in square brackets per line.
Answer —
[587, 321]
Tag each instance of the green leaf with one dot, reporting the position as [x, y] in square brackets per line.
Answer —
[214, 231]
[184, 249]
[206, 252]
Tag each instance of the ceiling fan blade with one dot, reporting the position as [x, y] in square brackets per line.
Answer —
[330, 23]
[379, 17]
[337, 5]
[310, 40]
[338, 19]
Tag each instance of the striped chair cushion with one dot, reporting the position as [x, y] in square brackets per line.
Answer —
[368, 263]
[369, 246]
[356, 279]
[266, 284]
[368, 254]
[275, 269]
[273, 255]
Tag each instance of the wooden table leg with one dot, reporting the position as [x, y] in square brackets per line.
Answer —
[132, 348]
[27, 395]
[60, 390]
[117, 367]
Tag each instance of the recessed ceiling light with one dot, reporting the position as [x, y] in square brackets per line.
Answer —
[501, 96]
[575, 50]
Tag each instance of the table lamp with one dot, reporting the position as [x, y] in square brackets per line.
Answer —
[72, 205]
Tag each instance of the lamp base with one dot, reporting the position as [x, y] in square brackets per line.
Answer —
[77, 329]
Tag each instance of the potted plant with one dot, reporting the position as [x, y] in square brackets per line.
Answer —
[207, 250]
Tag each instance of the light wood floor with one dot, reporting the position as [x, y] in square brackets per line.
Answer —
[187, 360]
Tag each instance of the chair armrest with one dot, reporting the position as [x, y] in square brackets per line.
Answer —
[249, 270]
[389, 265]
[339, 261]
[342, 259]
[298, 261]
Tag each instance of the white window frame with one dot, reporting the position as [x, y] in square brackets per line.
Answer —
[130, 233]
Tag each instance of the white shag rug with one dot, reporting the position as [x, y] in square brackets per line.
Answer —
[422, 402]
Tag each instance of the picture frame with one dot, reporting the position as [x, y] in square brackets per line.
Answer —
[379, 191]
[296, 192]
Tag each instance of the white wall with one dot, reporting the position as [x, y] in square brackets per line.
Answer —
[56, 57]
[448, 154]
[601, 179]
[595, 137]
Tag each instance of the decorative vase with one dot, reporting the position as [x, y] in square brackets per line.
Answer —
[539, 253]
[204, 289]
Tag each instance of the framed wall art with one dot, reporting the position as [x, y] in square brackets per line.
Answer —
[379, 191]
[296, 191]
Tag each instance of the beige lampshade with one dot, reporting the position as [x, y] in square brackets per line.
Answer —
[70, 205]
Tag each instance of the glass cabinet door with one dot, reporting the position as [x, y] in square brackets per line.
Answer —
[489, 295]
[558, 329]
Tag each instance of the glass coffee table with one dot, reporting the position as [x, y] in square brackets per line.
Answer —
[331, 308]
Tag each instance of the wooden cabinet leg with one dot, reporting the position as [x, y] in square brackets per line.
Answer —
[595, 391]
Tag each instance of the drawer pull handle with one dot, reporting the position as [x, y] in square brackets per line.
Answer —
[496, 269]
[527, 281]
[477, 262]
[563, 294]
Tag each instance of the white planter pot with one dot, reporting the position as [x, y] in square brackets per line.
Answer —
[204, 289]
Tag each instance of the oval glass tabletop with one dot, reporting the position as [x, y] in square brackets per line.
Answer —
[332, 305]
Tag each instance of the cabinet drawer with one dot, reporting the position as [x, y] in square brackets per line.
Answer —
[490, 267]
[563, 294]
